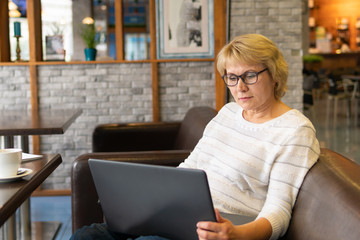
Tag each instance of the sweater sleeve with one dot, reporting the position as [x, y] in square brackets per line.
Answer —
[294, 158]
[191, 161]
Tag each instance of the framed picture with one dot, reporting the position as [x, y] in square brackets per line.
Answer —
[55, 48]
[185, 29]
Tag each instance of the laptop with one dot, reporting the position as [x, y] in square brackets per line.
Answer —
[142, 200]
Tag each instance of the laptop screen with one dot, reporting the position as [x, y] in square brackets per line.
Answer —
[142, 199]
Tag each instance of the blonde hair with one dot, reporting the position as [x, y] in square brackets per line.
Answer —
[256, 49]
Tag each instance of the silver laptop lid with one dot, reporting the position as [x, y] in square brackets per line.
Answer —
[142, 199]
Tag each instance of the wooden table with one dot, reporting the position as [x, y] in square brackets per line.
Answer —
[352, 77]
[23, 124]
[14, 194]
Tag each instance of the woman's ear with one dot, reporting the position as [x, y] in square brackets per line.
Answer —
[275, 84]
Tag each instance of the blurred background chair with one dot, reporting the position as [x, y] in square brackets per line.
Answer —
[339, 89]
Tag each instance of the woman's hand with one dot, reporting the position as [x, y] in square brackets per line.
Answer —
[223, 229]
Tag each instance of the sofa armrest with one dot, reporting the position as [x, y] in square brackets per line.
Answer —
[84, 199]
[327, 206]
[134, 136]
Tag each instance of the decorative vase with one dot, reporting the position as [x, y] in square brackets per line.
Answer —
[90, 54]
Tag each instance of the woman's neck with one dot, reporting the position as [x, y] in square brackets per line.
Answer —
[275, 110]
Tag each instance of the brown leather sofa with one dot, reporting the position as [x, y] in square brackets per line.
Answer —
[327, 207]
[166, 143]
[182, 135]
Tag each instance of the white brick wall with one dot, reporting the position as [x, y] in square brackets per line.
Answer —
[14, 88]
[185, 85]
[122, 92]
[279, 20]
[116, 93]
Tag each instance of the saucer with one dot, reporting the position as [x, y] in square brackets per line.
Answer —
[22, 172]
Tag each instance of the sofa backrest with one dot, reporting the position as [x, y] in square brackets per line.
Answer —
[328, 203]
[146, 136]
[120, 137]
[192, 127]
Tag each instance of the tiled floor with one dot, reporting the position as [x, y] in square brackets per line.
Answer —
[342, 136]
[57, 208]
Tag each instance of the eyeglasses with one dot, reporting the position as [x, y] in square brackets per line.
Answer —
[248, 78]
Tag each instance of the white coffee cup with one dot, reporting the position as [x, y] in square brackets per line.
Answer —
[10, 161]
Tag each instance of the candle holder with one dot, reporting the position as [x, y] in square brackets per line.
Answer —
[18, 50]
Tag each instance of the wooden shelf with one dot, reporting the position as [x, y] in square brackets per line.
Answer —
[28, 63]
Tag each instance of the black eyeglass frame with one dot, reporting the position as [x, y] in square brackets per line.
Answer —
[242, 78]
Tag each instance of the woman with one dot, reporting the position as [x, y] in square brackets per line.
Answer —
[257, 150]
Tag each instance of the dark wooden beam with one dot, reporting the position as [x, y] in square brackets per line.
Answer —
[154, 64]
[220, 31]
[119, 30]
[36, 54]
[4, 32]
[35, 29]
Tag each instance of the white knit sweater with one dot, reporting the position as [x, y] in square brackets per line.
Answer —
[256, 169]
